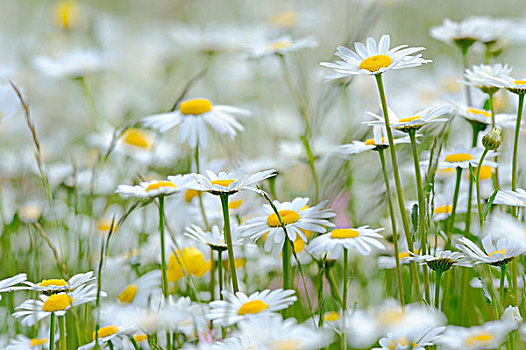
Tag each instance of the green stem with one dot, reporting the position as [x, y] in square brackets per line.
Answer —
[493, 125]
[163, 257]
[220, 273]
[52, 332]
[62, 327]
[286, 263]
[451, 221]
[228, 240]
[465, 64]
[421, 211]
[477, 186]
[437, 289]
[334, 288]
[134, 343]
[398, 185]
[345, 277]
[501, 288]
[514, 273]
[199, 194]
[110, 345]
[393, 225]
[516, 143]
[212, 285]
[467, 231]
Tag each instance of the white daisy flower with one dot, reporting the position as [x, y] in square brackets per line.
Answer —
[487, 336]
[361, 239]
[463, 33]
[515, 198]
[74, 64]
[483, 76]
[229, 182]
[280, 46]
[509, 83]
[373, 59]
[297, 218]
[215, 238]
[483, 117]
[426, 338]
[139, 291]
[442, 260]
[31, 311]
[40, 342]
[57, 285]
[155, 188]
[193, 116]
[379, 141]
[9, 284]
[503, 253]
[463, 158]
[238, 307]
[110, 333]
[272, 332]
[432, 114]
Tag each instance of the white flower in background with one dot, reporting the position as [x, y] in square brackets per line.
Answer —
[487, 336]
[40, 342]
[297, 218]
[389, 262]
[463, 158]
[482, 116]
[379, 141]
[432, 114]
[457, 33]
[109, 333]
[193, 117]
[442, 260]
[235, 308]
[483, 76]
[373, 58]
[155, 188]
[272, 332]
[57, 285]
[512, 317]
[361, 240]
[73, 64]
[503, 253]
[215, 238]
[515, 198]
[505, 225]
[10, 284]
[280, 46]
[139, 291]
[504, 81]
[229, 182]
[420, 342]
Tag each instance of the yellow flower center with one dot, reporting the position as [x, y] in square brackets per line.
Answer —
[224, 183]
[36, 342]
[288, 217]
[189, 260]
[500, 251]
[477, 111]
[235, 204]
[252, 307]
[342, 233]
[486, 172]
[370, 142]
[374, 63]
[140, 337]
[106, 331]
[138, 138]
[285, 19]
[407, 120]
[444, 209]
[299, 245]
[391, 317]
[195, 106]
[402, 342]
[159, 184]
[53, 282]
[287, 345]
[57, 302]
[66, 13]
[128, 294]
[479, 338]
[458, 157]
[402, 255]
[519, 82]
[189, 195]
[279, 45]
[331, 316]
[104, 225]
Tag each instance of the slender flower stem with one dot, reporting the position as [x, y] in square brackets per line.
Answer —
[477, 186]
[437, 289]
[421, 211]
[465, 63]
[228, 240]
[345, 292]
[393, 226]
[52, 332]
[212, 284]
[467, 231]
[398, 185]
[199, 194]
[134, 343]
[493, 126]
[220, 273]
[501, 288]
[451, 221]
[516, 143]
[62, 327]
[285, 255]
[334, 288]
[163, 257]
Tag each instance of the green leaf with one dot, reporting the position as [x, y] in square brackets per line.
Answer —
[490, 202]
[414, 217]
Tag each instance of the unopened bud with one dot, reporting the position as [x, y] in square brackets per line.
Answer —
[492, 140]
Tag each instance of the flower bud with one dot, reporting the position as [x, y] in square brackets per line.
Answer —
[492, 140]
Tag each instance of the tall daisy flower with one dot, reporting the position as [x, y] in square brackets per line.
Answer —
[237, 307]
[379, 141]
[487, 336]
[154, 188]
[481, 118]
[57, 285]
[296, 218]
[280, 46]
[372, 58]
[9, 284]
[515, 198]
[215, 239]
[114, 334]
[484, 76]
[498, 255]
[396, 342]
[139, 291]
[462, 158]
[464, 33]
[194, 116]
[361, 239]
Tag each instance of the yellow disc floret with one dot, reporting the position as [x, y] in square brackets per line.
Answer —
[519, 82]
[224, 183]
[285, 19]
[36, 342]
[287, 345]
[235, 204]
[279, 45]
[374, 63]
[407, 120]
[288, 217]
[331, 316]
[444, 209]
[500, 251]
[53, 282]
[138, 138]
[140, 337]
[160, 184]
[477, 111]
[458, 157]
[57, 302]
[370, 142]
[66, 13]
[128, 294]
[342, 233]
[106, 331]
[195, 106]
[252, 307]
[479, 339]
[189, 195]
